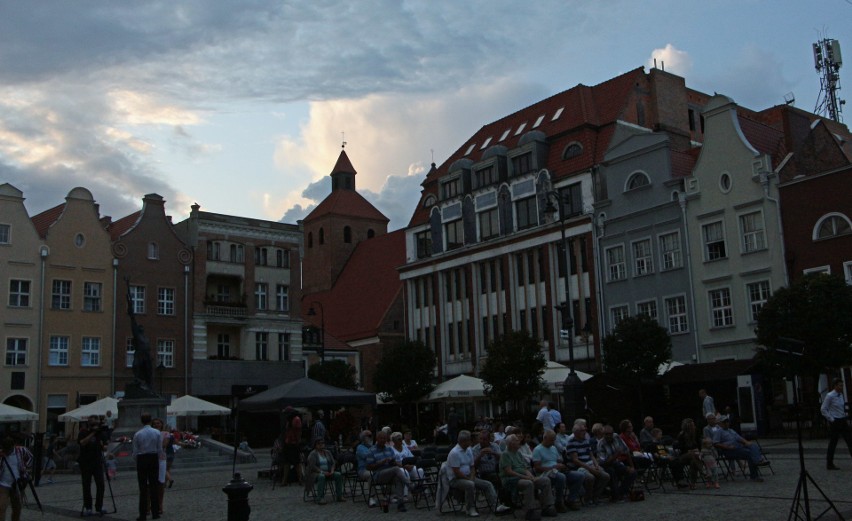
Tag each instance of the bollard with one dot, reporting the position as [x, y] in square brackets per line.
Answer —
[238, 506]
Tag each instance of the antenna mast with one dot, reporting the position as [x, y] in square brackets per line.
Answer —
[827, 61]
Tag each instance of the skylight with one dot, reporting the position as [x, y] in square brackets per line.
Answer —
[521, 128]
[470, 149]
[505, 134]
[486, 143]
[538, 121]
[558, 113]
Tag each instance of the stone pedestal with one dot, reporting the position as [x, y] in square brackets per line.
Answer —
[131, 409]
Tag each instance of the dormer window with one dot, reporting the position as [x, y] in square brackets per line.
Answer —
[522, 164]
[572, 150]
[486, 176]
[451, 188]
[637, 180]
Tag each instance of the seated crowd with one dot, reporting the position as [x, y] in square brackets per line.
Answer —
[558, 471]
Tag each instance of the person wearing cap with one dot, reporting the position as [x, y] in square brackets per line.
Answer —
[733, 446]
[834, 410]
[319, 469]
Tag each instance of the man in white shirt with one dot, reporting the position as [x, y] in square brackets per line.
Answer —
[462, 474]
[834, 410]
[544, 416]
[708, 405]
[147, 447]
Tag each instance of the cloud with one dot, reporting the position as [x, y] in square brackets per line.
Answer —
[754, 79]
[672, 60]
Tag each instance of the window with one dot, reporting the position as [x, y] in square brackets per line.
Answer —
[79, 240]
[261, 255]
[166, 353]
[526, 211]
[61, 294]
[16, 351]
[751, 225]
[165, 301]
[847, 272]
[455, 234]
[223, 346]
[137, 298]
[261, 346]
[637, 180]
[19, 293]
[283, 346]
[643, 259]
[615, 266]
[725, 182]
[5, 234]
[130, 352]
[92, 296]
[153, 251]
[214, 250]
[450, 188]
[310, 239]
[676, 315]
[91, 354]
[424, 244]
[522, 164]
[58, 355]
[571, 198]
[572, 150]
[486, 176]
[347, 234]
[670, 254]
[223, 293]
[261, 294]
[832, 226]
[714, 241]
[371, 233]
[721, 309]
[648, 308]
[758, 295]
[282, 258]
[237, 253]
[489, 226]
[618, 314]
[282, 297]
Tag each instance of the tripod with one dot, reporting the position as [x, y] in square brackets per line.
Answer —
[103, 469]
[17, 488]
[801, 508]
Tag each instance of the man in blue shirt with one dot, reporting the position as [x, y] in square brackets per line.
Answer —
[834, 410]
[381, 463]
[579, 456]
[734, 446]
[546, 463]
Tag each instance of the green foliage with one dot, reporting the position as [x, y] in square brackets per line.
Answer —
[404, 373]
[636, 348]
[816, 310]
[512, 372]
[334, 372]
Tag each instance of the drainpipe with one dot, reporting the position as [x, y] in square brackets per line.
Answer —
[114, 309]
[764, 181]
[681, 199]
[598, 230]
[43, 251]
[186, 326]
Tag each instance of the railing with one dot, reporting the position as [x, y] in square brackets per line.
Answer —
[227, 311]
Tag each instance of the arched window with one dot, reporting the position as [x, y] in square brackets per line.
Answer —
[347, 234]
[637, 180]
[832, 225]
[310, 239]
[370, 233]
[322, 236]
[572, 150]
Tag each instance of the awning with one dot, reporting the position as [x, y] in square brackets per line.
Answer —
[9, 414]
[98, 408]
[191, 406]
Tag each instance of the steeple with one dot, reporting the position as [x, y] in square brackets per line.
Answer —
[343, 173]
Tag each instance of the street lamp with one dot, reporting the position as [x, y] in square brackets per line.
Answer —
[313, 313]
[572, 387]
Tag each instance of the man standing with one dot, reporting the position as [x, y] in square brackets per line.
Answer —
[318, 430]
[92, 440]
[462, 476]
[147, 448]
[708, 406]
[834, 410]
[515, 473]
[290, 449]
[453, 425]
[734, 446]
[544, 416]
[556, 416]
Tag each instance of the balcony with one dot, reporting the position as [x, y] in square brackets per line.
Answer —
[227, 311]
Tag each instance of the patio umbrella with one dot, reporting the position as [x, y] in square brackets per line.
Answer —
[9, 414]
[98, 408]
[459, 388]
[555, 374]
[191, 406]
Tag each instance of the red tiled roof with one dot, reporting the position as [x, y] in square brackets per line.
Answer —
[343, 164]
[765, 139]
[348, 203]
[121, 226]
[367, 287]
[45, 219]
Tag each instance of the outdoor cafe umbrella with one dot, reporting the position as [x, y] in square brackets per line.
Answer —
[191, 406]
[461, 387]
[9, 414]
[98, 408]
[555, 374]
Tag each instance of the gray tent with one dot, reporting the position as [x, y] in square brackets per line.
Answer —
[304, 392]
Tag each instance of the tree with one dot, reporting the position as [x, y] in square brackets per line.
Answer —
[512, 372]
[636, 348]
[815, 310]
[404, 374]
[334, 372]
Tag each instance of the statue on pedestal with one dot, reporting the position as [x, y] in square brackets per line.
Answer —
[143, 369]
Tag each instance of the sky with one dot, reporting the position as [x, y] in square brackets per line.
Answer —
[243, 106]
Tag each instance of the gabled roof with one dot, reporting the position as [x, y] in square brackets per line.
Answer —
[343, 165]
[121, 226]
[367, 287]
[45, 219]
[346, 203]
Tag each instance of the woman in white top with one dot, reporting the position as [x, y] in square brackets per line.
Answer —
[400, 452]
[408, 442]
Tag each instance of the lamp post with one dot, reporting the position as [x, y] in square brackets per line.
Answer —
[572, 387]
[312, 313]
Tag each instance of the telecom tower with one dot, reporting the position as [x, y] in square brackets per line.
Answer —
[828, 60]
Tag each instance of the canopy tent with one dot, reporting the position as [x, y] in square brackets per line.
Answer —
[9, 414]
[555, 374]
[191, 406]
[98, 408]
[304, 392]
[459, 388]
[666, 367]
